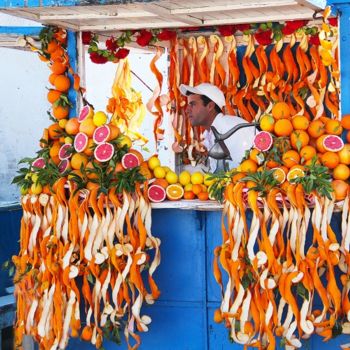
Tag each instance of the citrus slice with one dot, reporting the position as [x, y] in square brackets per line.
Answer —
[80, 142]
[86, 112]
[130, 160]
[263, 141]
[65, 151]
[101, 134]
[63, 166]
[333, 143]
[174, 192]
[39, 163]
[156, 193]
[295, 173]
[279, 175]
[104, 152]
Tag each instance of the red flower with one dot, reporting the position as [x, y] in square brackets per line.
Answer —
[121, 53]
[227, 30]
[166, 34]
[144, 37]
[243, 27]
[86, 37]
[333, 21]
[292, 26]
[97, 58]
[314, 40]
[263, 38]
[111, 44]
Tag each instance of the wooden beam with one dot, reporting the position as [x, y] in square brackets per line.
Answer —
[313, 5]
[165, 13]
[80, 16]
[234, 7]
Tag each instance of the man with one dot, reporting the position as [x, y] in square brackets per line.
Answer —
[205, 103]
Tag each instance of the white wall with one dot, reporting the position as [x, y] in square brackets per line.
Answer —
[23, 115]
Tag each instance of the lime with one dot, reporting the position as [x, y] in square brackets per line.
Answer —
[197, 178]
[184, 178]
[171, 177]
[100, 118]
[153, 162]
[159, 172]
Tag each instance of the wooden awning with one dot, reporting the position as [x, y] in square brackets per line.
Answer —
[121, 15]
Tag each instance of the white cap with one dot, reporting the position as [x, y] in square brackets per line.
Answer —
[209, 90]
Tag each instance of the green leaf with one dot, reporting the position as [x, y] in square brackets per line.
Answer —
[302, 291]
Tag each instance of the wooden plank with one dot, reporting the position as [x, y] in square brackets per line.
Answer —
[230, 7]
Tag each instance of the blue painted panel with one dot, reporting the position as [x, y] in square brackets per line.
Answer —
[181, 274]
[73, 58]
[20, 30]
[175, 327]
[9, 236]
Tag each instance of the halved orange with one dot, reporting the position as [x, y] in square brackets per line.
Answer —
[174, 192]
[294, 173]
[279, 175]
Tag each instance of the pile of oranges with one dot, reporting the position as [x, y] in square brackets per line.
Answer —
[301, 143]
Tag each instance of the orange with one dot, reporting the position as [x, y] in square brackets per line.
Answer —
[54, 149]
[345, 121]
[218, 316]
[256, 156]
[279, 174]
[51, 46]
[44, 138]
[272, 164]
[348, 136]
[89, 150]
[267, 122]
[283, 127]
[295, 172]
[280, 110]
[58, 67]
[62, 83]
[119, 167]
[340, 189]
[75, 172]
[54, 131]
[92, 186]
[333, 127]
[299, 139]
[144, 170]
[52, 78]
[53, 95]
[78, 160]
[89, 174]
[88, 127]
[137, 154]
[300, 122]
[203, 196]
[72, 126]
[319, 143]
[316, 128]
[290, 158]
[248, 166]
[237, 177]
[330, 159]
[174, 192]
[341, 172]
[161, 182]
[60, 112]
[344, 154]
[307, 152]
[114, 132]
[196, 189]
[309, 162]
[57, 54]
[189, 195]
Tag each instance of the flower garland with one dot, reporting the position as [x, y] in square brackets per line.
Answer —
[264, 34]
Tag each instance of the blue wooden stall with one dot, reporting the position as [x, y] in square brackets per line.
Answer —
[182, 319]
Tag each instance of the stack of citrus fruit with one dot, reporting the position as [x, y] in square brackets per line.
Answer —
[288, 144]
[168, 184]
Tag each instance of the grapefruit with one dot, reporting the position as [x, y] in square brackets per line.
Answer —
[104, 152]
[63, 165]
[263, 141]
[39, 163]
[80, 142]
[86, 112]
[101, 134]
[156, 193]
[174, 192]
[65, 151]
[333, 143]
[130, 160]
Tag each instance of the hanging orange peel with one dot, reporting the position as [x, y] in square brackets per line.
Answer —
[273, 275]
[103, 240]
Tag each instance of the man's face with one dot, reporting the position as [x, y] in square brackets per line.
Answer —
[196, 111]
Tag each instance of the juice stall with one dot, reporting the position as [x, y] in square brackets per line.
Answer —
[267, 267]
